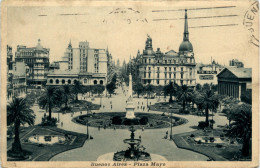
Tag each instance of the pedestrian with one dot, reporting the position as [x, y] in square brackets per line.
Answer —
[150, 103]
[61, 124]
[140, 137]
[114, 128]
[111, 106]
[166, 132]
[143, 129]
[81, 112]
[99, 128]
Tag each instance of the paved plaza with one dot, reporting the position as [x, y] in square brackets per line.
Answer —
[109, 140]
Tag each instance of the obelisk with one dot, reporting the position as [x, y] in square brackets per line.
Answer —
[130, 114]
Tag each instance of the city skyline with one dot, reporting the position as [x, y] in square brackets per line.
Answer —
[79, 24]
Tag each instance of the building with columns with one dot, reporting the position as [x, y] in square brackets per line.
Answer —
[84, 64]
[234, 81]
[158, 68]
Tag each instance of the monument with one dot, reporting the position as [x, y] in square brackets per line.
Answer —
[130, 114]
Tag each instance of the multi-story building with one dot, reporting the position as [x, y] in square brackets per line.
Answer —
[37, 59]
[85, 64]
[236, 63]
[158, 68]
[207, 73]
[16, 82]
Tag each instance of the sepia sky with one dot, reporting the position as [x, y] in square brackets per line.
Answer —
[216, 29]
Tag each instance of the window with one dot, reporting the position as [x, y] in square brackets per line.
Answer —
[181, 76]
[190, 60]
[57, 81]
[145, 68]
[158, 82]
[63, 81]
[165, 68]
[174, 76]
[95, 82]
[158, 61]
[158, 68]
[149, 68]
[170, 61]
[144, 81]
[101, 82]
[170, 69]
[170, 75]
[75, 81]
[144, 74]
[149, 75]
[144, 60]
[149, 61]
[51, 81]
[174, 69]
[181, 69]
[165, 61]
[69, 81]
[165, 75]
[158, 75]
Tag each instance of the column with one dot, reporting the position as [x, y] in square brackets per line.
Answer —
[239, 91]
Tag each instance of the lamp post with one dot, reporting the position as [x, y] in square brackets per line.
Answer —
[171, 123]
[87, 125]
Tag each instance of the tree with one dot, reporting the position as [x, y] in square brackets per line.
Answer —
[77, 88]
[114, 79]
[138, 88]
[99, 89]
[241, 127]
[230, 105]
[210, 101]
[19, 112]
[149, 89]
[247, 96]
[198, 87]
[171, 89]
[184, 92]
[51, 97]
[199, 100]
[206, 86]
[66, 92]
[111, 88]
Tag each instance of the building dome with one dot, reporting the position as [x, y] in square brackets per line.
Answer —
[185, 46]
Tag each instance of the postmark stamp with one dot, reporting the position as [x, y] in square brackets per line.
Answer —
[250, 22]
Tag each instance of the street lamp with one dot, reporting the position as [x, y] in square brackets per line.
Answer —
[171, 123]
[87, 125]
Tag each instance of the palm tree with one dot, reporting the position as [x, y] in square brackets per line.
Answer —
[77, 88]
[52, 97]
[207, 103]
[66, 91]
[184, 93]
[171, 89]
[241, 127]
[19, 112]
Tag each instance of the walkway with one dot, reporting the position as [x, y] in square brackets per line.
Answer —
[109, 140]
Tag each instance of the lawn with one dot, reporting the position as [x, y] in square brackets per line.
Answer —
[105, 120]
[46, 152]
[216, 151]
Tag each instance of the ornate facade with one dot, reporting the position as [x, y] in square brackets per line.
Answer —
[37, 59]
[158, 68]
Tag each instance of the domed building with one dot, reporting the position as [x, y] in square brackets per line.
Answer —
[158, 68]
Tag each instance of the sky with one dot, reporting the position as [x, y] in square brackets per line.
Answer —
[215, 29]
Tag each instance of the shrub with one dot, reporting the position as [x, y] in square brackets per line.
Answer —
[163, 114]
[192, 135]
[144, 120]
[186, 111]
[202, 125]
[131, 122]
[46, 122]
[199, 142]
[219, 146]
[117, 120]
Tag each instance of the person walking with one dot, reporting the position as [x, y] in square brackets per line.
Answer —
[61, 124]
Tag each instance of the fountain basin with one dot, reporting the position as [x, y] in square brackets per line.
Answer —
[47, 139]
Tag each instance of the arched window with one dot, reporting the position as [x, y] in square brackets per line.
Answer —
[95, 82]
[63, 81]
[51, 81]
[75, 81]
[57, 81]
[101, 82]
[69, 81]
[85, 80]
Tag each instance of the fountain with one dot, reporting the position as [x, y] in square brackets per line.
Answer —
[135, 152]
[130, 104]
